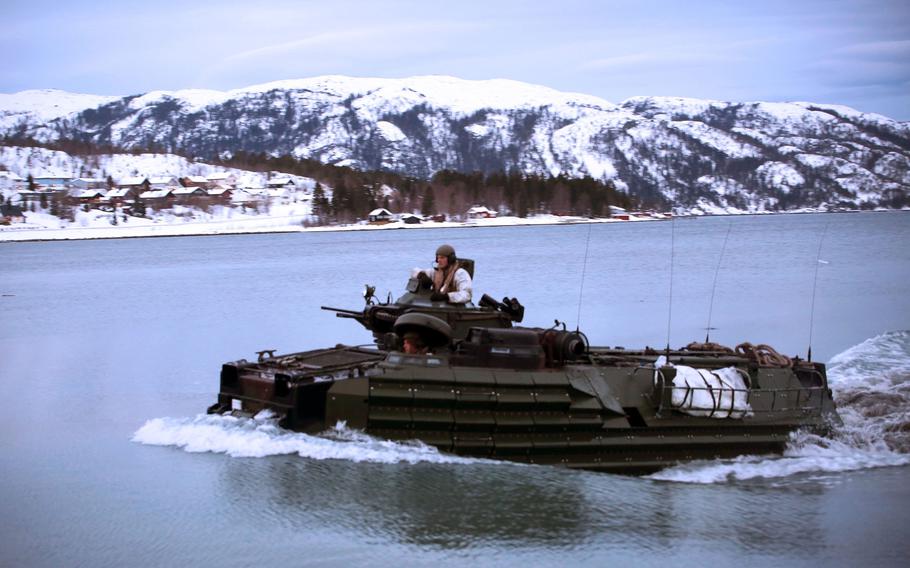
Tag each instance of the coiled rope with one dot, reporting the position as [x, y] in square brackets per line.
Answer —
[764, 355]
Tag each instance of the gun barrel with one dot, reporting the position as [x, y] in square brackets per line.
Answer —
[342, 312]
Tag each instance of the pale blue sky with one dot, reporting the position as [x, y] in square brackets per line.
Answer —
[852, 52]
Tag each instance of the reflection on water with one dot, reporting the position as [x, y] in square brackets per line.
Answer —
[516, 507]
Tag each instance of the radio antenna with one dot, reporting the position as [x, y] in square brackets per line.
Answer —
[584, 269]
[818, 261]
[670, 299]
[714, 285]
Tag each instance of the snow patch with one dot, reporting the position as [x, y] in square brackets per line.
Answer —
[390, 132]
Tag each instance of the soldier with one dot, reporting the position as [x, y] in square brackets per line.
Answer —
[449, 281]
[422, 333]
[413, 344]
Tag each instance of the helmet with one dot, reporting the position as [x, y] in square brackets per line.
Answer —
[433, 330]
[448, 251]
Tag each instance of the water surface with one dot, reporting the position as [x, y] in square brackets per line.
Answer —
[110, 347]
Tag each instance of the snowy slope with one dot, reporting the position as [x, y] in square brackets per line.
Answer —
[669, 150]
[39, 106]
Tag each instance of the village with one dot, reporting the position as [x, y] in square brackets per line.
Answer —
[142, 196]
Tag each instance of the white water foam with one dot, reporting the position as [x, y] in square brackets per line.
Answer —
[871, 384]
[261, 436]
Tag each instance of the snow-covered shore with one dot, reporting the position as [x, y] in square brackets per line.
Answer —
[40, 227]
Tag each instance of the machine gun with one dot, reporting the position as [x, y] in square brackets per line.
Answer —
[509, 306]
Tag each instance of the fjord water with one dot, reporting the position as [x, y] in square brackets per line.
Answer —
[110, 351]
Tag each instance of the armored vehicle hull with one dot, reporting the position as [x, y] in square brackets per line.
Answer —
[505, 398]
[484, 388]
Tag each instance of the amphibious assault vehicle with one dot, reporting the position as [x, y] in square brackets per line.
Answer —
[486, 387]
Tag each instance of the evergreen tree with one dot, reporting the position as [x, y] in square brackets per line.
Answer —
[320, 202]
[429, 207]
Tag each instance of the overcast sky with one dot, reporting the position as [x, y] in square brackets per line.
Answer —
[852, 52]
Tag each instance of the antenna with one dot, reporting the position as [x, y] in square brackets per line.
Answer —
[818, 261]
[714, 286]
[670, 299]
[584, 269]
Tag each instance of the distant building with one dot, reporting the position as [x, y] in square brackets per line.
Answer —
[281, 182]
[83, 184]
[90, 196]
[480, 212]
[223, 179]
[185, 193]
[194, 181]
[162, 182]
[221, 194]
[158, 197]
[381, 215]
[123, 194]
[49, 181]
[411, 219]
[129, 189]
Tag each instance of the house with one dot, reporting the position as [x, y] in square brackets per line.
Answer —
[281, 182]
[619, 214]
[158, 197]
[122, 194]
[90, 196]
[221, 194]
[411, 219]
[194, 181]
[162, 182]
[223, 179]
[481, 212]
[135, 181]
[381, 215]
[29, 196]
[49, 181]
[129, 188]
[83, 184]
[184, 194]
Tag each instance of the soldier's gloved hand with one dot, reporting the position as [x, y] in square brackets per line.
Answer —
[439, 296]
[424, 280]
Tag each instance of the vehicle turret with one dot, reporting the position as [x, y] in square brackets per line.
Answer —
[380, 318]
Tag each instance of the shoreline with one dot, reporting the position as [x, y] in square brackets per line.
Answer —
[218, 228]
[228, 227]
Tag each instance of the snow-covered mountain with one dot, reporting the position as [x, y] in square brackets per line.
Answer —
[683, 152]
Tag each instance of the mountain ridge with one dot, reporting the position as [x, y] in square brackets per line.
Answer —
[674, 151]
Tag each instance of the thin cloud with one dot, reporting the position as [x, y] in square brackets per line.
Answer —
[900, 48]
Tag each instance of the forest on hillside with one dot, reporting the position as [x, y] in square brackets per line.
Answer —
[356, 193]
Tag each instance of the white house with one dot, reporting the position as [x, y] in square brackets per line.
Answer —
[223, 179]
[379, 215]
[162, 182]
[480, 212]
[136, 181]
[89, 183]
